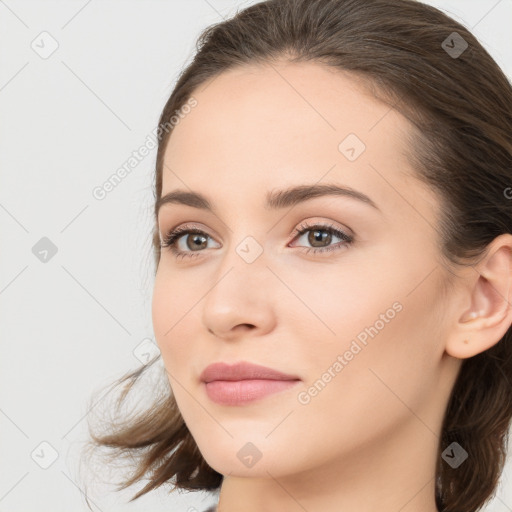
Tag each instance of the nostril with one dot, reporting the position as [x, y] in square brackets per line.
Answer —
[246, 327]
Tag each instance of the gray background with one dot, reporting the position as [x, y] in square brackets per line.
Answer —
[74, 323]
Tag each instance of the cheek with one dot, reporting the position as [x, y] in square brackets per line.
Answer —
[338, 302]
[381, 385]
[161, 311]
[386, 336]
[172, 313]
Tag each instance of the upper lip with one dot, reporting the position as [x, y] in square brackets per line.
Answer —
[242, 371]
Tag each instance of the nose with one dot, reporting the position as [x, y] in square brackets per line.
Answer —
[241, 298]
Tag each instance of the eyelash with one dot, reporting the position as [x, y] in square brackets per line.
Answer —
[172, 237]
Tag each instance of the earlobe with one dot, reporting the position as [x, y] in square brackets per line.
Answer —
[489, 316]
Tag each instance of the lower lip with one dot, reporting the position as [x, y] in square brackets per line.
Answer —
[238, 392]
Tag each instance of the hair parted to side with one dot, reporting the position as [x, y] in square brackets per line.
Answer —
[462, 148]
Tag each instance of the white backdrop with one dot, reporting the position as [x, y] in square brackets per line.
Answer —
[82, 84]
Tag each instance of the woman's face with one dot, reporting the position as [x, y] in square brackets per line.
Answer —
[361, 324]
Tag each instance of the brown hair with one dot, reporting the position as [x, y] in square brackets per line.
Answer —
[462, 107]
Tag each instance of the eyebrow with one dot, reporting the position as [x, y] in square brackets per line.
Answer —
[275, 200]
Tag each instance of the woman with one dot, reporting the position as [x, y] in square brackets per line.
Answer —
[333, 185]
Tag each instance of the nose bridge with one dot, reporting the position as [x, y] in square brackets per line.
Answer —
[244, 251]
[242, 272]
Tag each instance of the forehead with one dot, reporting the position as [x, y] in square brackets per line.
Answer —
[256, 128]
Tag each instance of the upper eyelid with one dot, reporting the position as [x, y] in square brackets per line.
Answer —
[183, 228]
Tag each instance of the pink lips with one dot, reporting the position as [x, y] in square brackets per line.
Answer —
[243, 382]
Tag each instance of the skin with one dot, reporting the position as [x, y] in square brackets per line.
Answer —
[368, 439]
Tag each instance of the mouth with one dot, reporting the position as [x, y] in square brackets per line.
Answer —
[243, 382]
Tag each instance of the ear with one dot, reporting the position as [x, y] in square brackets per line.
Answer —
[488, 293]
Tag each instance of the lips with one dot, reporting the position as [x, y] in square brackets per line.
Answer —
[242, 371]
[243, 383]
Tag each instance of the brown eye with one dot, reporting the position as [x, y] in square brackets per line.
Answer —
[195, 241]
[321, 236]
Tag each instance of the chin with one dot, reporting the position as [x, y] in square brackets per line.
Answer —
[239, 456]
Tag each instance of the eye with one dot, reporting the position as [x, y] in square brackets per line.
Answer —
[321, 234]
[196, 242]
[320, 237]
